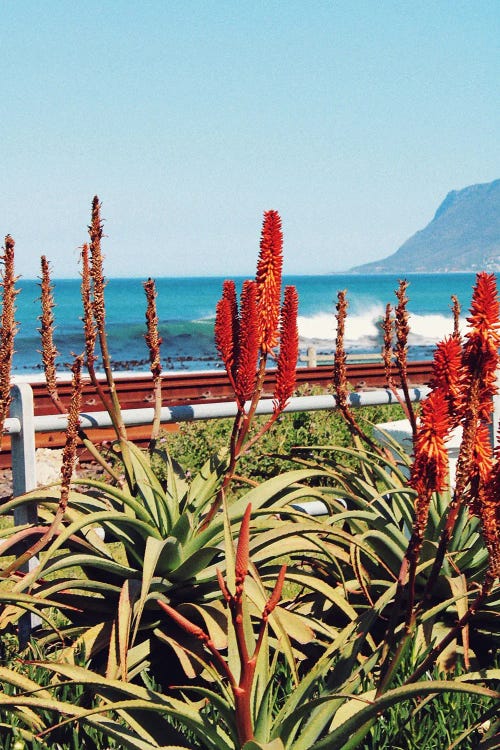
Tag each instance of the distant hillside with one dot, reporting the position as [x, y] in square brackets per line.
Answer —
[464, 235]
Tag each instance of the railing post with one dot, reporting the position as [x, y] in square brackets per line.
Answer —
[24, 480]
[311, 357]
[23, 443]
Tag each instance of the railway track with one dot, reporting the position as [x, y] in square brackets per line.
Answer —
[134, 391]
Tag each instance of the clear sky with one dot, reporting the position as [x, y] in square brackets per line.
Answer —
[352, 118]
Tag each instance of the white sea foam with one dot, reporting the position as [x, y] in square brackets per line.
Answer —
[363, 328]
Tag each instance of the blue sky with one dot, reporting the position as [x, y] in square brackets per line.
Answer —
[352, 118]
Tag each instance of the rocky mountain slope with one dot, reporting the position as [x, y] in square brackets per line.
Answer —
[464, 235]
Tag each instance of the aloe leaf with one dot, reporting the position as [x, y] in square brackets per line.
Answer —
[203, 486]
[161, 506]
[194, 564]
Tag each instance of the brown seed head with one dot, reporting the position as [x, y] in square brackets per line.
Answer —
[89, 328]
[96, 270]
[8, 327]
[46, 330]
[402, 327]
[339, 363]
[456, 315]
[72, 436]
[387, 327]
[153, 340]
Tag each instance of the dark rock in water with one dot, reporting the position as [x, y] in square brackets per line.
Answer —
[464, 235]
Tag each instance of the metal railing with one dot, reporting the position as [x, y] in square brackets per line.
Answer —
[22, 425]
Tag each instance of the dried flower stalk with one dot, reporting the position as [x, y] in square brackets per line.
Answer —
[340, 382]
[153, 342]
[99, 314]
[387, 327]
[89, 327]
[402, 328]
[67, 468]
[8, 328]
[456, 315]
[46, 330]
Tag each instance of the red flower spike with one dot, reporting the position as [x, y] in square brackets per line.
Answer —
[448, 374]
[430, 467]
[224, 334]
[268, 279]
[248, 344]
[184, 623]
[243, 550]
[276, 595]
[286, 374]
[222, 585]
[480, 355]
[488, 510]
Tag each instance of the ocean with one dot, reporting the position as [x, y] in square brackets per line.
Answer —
[186, 308]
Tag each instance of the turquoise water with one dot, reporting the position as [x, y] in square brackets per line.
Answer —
[186, 312]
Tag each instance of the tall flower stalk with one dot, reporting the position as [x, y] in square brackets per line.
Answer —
[247, 335]
[464, 383]
[8, 327]
[340, 383]
[241, 681]
[93, 285]
[479, 366]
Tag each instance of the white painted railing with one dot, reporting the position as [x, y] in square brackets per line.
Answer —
[22, 425]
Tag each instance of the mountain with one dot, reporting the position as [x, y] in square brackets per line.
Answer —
[464, 235]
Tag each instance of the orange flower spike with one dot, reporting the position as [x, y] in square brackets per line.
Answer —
[243, 552]
[480, 467]
[480, 355]
[268, 279]
[248, 344]
[430, 467]
[488, 510]
[447, 374]
[286, 374]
